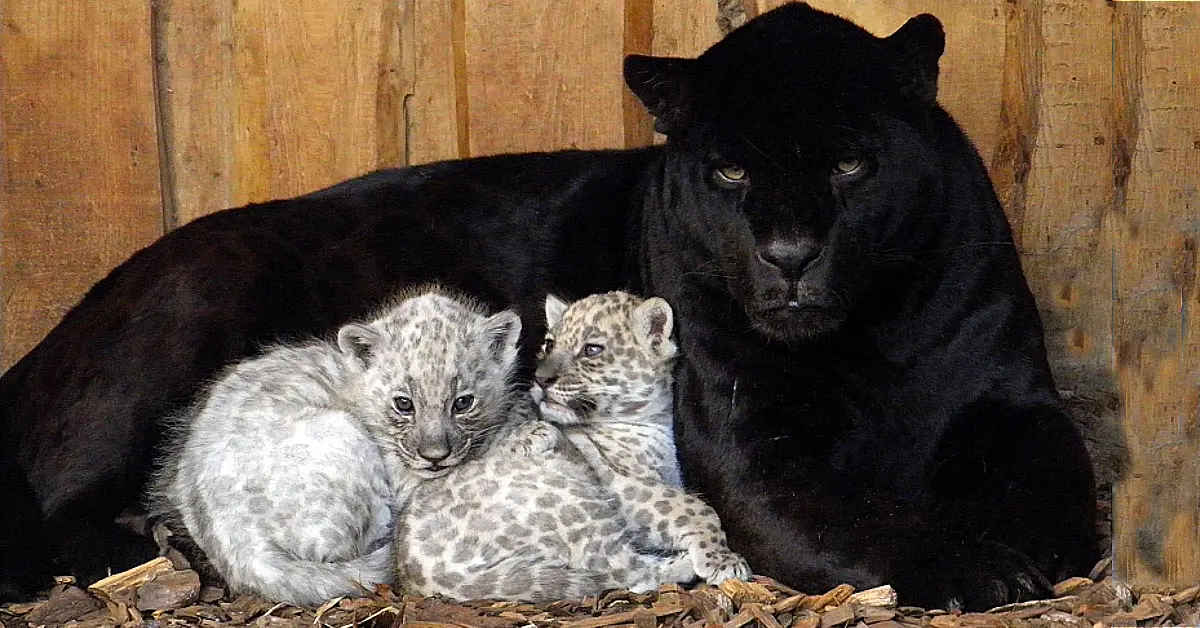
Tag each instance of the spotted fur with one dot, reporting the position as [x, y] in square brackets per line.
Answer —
[604, 376]
[286, 471]
[529, 519]
[525, 520]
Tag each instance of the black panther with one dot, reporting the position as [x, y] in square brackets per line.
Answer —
[863, 395]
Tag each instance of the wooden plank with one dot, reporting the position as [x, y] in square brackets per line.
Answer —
[196, 85]
[265, 100]
[79, 185]
[544, 75]
[1053, 172]
[436, 127]
[1157, 155]
[685, 28]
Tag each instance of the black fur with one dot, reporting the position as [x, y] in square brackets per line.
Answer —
[875, 406]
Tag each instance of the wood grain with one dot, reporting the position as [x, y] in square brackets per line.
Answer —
[1054, 174]
[196, 85]
[685, 28]
[436, 129]
[1156, 111]
[544, 75]
[79, 185]
[266, 100]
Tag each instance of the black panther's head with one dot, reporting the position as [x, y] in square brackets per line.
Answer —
[794, 176]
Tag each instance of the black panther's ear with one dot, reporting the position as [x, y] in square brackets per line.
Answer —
[918, 45]
[666, 86]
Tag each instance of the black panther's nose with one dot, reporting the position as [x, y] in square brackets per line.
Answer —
[792, 258]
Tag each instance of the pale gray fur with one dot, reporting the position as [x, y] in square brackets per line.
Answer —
[605, 378]
[525, 520]
[287, 470]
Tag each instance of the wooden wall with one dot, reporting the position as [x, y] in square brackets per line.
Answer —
[120, 119]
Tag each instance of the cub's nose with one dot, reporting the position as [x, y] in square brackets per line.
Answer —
[792, 258]
[546, 381]
[434, 451]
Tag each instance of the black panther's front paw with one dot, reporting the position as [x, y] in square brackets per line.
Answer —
[972, 577]
[96, 552]
[22, 583]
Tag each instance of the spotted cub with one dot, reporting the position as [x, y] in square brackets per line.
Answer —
[604, 377]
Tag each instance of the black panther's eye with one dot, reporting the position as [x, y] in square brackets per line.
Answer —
[464, 403]
[591, 350]
[402, 404]
[849, 166]
[731, 177]
[547, 346]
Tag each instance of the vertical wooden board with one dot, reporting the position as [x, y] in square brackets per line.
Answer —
[436, 59]
[1058, 145]
[79, 188]
[971, 73]
[543, 75]
[1156, 158]
[279, 98]
[638, 38]
[196, 90]
[685, 28]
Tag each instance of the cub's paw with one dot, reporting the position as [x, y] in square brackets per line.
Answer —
[675, 569]
[717, 563]
[972, 578]
[535, 437]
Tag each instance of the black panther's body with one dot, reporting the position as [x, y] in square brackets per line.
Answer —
[863, 392]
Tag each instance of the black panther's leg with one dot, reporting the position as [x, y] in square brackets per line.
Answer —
[1016, 504]
[91, 545]
[24, 562]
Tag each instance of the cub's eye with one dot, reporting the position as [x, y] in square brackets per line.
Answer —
[731, 177]
[402, 404]
[464, 403]
[850, 165]
[591, 350]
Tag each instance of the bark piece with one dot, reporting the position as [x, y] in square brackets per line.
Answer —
[742, 592]
[884, 596]
[837, 616]
[174, 589]
[64, 605]
[121, 588]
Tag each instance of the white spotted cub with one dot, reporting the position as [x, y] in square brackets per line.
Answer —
[287, 471]
[524, 522]
[604, 377]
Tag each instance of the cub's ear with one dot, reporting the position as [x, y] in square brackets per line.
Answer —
[503, 332]
[666, 86]
[555, 308]
[652, 325]
[917, 46]
[357, 340]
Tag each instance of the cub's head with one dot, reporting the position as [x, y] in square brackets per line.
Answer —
[799, 157]
[606, 357]
[437, 376]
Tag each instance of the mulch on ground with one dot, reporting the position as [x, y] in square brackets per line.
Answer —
[162, 595]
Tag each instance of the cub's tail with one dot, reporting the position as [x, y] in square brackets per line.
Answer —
[279, 576]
